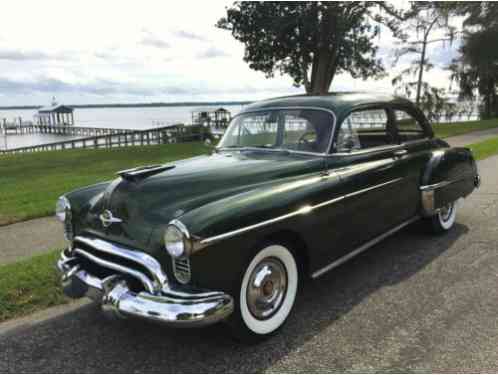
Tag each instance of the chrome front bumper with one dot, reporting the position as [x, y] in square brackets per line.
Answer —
[164, 304]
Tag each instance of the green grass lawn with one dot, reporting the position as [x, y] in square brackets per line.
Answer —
[31, 183]
[29, 285]
[485, 149]
[459, 128]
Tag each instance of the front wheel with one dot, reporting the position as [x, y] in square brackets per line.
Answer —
[444, 219]
[267, 294]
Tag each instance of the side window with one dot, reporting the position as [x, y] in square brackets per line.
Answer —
[408, 127]
[306, 130]
[255, 129]
[364, 129]
[296, 127]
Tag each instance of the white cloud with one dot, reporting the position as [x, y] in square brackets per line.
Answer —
[110, 51]
[212, 52]
[189, 35]
[151, 40]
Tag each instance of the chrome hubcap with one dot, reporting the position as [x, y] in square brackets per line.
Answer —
[266, 289]
[446, 212]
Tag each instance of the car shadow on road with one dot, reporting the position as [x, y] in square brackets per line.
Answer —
[83, 341]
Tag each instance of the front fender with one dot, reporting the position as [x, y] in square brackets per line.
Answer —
[260, 207]
[227, 230]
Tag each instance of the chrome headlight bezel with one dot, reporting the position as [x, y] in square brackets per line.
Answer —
[177, 240]
[63, 213]
[62, 209]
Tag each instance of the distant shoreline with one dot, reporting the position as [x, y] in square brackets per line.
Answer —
[134, 105]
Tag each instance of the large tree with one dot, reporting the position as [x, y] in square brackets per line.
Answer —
[311, 41]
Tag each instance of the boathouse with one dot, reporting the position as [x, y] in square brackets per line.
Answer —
[217, 119]
[56, 115]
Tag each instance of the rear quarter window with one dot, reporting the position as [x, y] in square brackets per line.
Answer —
[408, 127]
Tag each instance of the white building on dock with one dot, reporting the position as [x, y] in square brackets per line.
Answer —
[55, 115]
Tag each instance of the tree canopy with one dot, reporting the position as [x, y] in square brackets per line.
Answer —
[476, 70]
[311, 41]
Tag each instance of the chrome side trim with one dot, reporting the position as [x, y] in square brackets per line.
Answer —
[151, 264]
[438, 185]
[147, 283]
[447, 182]
[373, 187]
[302, 211]
[362, 248]
[332, 133]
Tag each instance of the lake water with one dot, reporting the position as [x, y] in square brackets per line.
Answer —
[118, 118]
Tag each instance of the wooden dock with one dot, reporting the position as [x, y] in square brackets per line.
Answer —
[119, 138]
[71, 130]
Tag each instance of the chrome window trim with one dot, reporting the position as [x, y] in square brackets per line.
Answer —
[381, 148]
[368, 150]
[332, 133]
[303, 210]
[147, 261]
[362, 248]
[415, 141]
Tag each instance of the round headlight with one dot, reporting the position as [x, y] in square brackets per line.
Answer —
[174, 240]
[61, 209]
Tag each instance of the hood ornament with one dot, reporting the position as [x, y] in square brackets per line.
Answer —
[108, 219]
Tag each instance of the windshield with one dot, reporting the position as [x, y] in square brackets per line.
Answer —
[294, 129]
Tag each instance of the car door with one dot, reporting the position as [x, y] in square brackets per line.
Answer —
[414, 137]
[365, 155]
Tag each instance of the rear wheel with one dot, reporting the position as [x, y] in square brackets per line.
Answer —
[267, 293]
[444, 219]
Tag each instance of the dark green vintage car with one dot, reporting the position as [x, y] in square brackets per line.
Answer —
[296, 187]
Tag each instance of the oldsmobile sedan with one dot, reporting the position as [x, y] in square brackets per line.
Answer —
[296, 187]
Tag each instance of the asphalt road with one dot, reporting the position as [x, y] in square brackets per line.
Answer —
[412, 303]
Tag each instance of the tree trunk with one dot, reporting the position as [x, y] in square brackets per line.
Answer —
[319, 85]
[324, 61]
[421, 71]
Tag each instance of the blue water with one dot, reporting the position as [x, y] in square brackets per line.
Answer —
[118, 118]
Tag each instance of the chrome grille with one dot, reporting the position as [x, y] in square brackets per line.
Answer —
[115, 257]
[181, 269]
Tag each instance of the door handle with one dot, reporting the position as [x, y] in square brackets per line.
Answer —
[400, 153]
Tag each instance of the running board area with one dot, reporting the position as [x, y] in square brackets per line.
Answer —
[362, 248]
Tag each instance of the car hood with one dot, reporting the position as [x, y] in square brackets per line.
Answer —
[154, 199]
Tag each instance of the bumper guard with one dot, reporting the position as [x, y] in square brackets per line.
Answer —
[180, 308]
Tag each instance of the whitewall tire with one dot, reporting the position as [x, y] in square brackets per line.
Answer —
[267, 293]
[444, 219]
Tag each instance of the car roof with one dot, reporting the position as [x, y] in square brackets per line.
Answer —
[337, 102]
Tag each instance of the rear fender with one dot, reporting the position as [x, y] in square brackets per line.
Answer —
[449, 175]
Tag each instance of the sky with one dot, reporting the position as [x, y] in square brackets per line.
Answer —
[123, 51]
